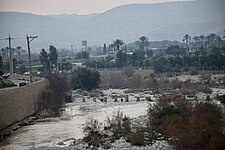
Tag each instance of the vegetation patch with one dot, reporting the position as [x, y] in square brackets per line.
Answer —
[6, 83]
[53, 95]
[188, 125]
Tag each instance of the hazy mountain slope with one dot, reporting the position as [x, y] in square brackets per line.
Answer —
[157, 21]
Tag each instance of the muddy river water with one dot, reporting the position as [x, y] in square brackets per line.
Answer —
[72, 120]
[69, 124]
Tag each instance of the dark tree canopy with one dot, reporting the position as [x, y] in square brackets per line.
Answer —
[118, 43]
[83, 55]
[53, 55]
[1, 66]
[44, 60]
[143, 42]
[85, 79]
[104, 49]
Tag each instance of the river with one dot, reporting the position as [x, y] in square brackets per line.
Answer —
[69, 124]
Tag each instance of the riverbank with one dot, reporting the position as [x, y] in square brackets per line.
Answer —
[66, 131]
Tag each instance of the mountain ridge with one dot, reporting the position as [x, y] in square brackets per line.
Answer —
[164, 21]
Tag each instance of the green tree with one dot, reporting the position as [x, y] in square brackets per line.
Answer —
[202, 39]
[18, 51]
[1, 66]
[121, 59]
[104, 49]
[118, 43]
[187, 39]
[210, 40]
[143, 42]
[44, 60]
[196, 40]
[22, 69]
[60, 86]
[85, 79]
[53, 55]
[83, 55]
[67, 66]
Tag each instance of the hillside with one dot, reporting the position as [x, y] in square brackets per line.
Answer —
[164, 21]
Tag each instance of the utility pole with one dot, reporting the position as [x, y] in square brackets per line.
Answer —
[29, 39]
[72, 50]
[10, 55]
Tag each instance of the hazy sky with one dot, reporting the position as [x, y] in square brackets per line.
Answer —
[46, 7]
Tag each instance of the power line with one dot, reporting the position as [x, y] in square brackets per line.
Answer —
[13, 38]
[29, 39]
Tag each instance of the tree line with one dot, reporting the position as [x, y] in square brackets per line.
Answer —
[200, 52]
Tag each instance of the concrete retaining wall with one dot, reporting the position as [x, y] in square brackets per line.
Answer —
[18, 103]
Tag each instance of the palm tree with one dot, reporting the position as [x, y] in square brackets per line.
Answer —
[196, 40]
[218, 41]
[202, 38]
[18, 51]
[187, 39]
[210, 39]
[44, 59]
[143, 42]
[113, 46]
[117, 43]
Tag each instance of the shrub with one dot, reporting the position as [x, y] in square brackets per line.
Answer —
[187, 125]
[1, 66]
[22, 69]
[193, 72]
[128, 70]
[85, 79]
[45, 99]
[60, 87]
[52, 97]
[137, 137]
[115, 124]
[93, 136]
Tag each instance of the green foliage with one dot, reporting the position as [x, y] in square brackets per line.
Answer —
[53, 96]
[118, 43]
[44, 60]
[46, 100]
[120, 59]
[214, 61]
[115, 124]
[67, 66]
[104, 49]
[137, 137]
[188, 125]
[53, 55]
[85, 79]
[1, 66]
[6, 83]
[143, 42]
[83, 55]
[91, 125]
[6, 66]
[175, 50]
[48, 60]
[22, 69]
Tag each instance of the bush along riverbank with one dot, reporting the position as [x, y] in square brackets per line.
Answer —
[173, 122]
